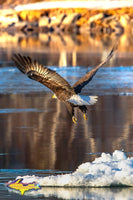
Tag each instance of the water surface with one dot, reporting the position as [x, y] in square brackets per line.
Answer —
[37, 135]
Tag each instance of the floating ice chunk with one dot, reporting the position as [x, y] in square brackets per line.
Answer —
[107, 170]
[119, 155]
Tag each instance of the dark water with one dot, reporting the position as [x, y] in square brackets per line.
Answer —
[37, 135]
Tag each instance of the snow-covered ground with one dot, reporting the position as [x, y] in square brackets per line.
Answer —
[75, 4]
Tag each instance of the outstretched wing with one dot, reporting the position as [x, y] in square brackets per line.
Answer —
[42, 74]
[88, 77]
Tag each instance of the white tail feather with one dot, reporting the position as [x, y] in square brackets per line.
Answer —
[83, 100]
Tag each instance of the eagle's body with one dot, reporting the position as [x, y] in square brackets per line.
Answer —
[61, 88]
[81, 100]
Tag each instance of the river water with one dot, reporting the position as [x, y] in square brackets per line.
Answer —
[37, 135]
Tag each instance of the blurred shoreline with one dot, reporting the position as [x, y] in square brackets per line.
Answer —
[78, 17]
[66, 31]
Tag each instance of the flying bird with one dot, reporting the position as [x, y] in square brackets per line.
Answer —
[63, 91]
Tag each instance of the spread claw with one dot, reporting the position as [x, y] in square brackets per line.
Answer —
[85, 117]
[74, 119]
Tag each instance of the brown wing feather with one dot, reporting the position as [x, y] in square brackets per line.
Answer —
[42, 74]
[88, 77]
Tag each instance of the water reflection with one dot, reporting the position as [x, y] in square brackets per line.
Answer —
[36, 131]
[66, 50]
[86, 193]
[48, 139]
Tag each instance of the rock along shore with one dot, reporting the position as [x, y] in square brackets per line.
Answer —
[94, 17]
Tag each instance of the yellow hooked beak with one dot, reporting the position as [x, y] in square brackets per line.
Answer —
[54, 96]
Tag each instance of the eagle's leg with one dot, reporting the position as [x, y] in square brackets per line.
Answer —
[83, 109]
[70, 109]
[74, 119]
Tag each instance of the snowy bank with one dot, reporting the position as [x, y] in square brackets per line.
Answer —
[75, 4]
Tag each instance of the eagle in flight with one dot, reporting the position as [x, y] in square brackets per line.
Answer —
[63, 91]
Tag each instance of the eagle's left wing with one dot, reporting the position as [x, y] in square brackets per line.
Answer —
[88, 77]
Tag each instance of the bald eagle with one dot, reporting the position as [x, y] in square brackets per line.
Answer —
[61, 88]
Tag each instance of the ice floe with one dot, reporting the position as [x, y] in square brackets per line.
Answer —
[106, 171]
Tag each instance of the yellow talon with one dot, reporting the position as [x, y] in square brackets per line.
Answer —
[85, 116]
[74, 119]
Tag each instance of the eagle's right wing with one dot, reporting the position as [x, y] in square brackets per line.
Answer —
[42, 74]
[88, 77]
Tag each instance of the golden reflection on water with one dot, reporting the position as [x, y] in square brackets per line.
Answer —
[48, 139]
[63, 50]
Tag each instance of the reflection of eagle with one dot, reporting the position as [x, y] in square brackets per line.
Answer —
[61, 88]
